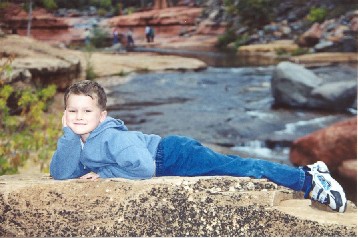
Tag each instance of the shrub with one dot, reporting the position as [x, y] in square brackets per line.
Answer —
[32, 134]
[317, 14]
[90, 74]
[99, 37]
[49, 4]
[228, 37]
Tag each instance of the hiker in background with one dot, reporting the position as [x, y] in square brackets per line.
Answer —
[130, 41]
[151, 34]
[115, 36]
[147, 33]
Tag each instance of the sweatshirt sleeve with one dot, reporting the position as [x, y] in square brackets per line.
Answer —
[132, 159]
[65, 163]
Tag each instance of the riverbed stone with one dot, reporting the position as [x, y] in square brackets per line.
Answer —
[334, 96]
[295, 86]
[36, 205]
[292, 84]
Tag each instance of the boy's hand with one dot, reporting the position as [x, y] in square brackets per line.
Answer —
[90, 176]
[64, 124]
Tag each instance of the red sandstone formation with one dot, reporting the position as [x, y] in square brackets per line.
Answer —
[333, 145]
[169, 21]
[44, 26]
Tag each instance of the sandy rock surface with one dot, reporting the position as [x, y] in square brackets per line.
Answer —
[36, 205]
[43, 63]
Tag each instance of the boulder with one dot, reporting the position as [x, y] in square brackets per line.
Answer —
[36, 205]
[292, 84]
[311, 37]
[333, 145]
[334, 96]
[295, 86]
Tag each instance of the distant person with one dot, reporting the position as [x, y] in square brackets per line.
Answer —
[151, 34]
[147, 31]
[130, 40]
[115, 36]
[95, 145]
[87, 37]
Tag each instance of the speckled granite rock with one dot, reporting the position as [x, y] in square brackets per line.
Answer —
[170, 206]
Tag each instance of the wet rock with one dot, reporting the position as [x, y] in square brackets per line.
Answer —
[166, 206]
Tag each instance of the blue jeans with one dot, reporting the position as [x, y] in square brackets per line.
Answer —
[183, 156]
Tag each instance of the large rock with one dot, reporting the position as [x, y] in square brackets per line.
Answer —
[334, 96]
[38, 64]
[295, 86]
[292, 84]
[167, 206]
[333, 145]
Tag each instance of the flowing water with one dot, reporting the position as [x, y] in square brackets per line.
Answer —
[226, 106]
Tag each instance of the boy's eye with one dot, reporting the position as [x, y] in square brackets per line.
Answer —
[71, 110]
[88, 111]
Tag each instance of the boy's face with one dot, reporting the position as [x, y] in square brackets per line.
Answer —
[83, 115]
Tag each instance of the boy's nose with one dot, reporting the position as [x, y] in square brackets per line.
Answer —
[79, 116]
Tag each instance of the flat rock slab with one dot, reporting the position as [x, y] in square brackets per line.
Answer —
[36, 205]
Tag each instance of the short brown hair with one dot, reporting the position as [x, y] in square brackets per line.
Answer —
[88, 88]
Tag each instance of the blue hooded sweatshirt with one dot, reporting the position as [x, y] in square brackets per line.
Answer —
[110, 151]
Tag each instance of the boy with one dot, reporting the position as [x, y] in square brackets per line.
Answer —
[95, 145]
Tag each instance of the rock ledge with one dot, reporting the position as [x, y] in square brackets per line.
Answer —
[36, 205]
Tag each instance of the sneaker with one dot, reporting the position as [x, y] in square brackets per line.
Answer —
[325, 189]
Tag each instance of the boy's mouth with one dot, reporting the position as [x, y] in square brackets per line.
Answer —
[80, 124]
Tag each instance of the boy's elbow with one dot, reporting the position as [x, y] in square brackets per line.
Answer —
[59, 176]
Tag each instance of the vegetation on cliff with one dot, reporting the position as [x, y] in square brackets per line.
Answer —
[247, 18]
[26, 130]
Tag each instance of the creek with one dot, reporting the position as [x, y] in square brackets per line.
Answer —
[229, 105]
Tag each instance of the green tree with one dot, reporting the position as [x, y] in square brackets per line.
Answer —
[317, 14]
[49, 4]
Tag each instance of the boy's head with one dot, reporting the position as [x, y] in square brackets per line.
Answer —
[87, 88]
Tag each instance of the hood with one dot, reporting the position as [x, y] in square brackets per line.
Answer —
[109, 122]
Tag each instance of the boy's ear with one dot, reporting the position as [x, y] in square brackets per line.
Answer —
[103, 116]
